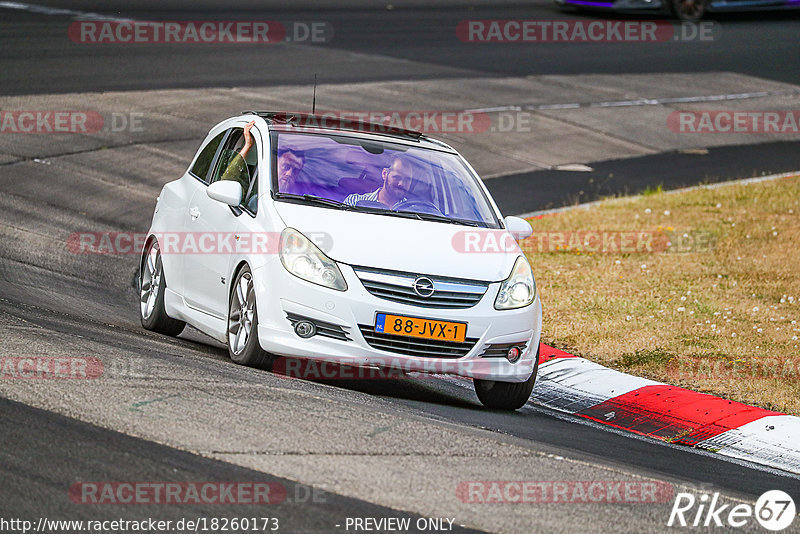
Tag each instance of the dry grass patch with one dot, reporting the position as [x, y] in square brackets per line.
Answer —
[704, 293]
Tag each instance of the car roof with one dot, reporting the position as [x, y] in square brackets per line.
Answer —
[286, 121]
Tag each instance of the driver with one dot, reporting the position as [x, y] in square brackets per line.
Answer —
[290, 164]
[396, 183]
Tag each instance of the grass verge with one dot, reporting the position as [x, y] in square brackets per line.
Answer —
[697, 288]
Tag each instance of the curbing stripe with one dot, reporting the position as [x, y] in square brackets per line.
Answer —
[773, 441]
[577, 386]
[674, 414]
[547, 353]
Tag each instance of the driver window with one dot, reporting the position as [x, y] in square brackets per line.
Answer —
[206, 156]
[250, 199]
[232, 166]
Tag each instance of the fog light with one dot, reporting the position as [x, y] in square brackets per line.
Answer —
[305, 329]
[513, 354]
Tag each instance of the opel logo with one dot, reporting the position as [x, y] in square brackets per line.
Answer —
[424, 287]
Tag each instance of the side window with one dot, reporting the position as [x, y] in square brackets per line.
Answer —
[201, 166]
[227, 156]
[232, 166]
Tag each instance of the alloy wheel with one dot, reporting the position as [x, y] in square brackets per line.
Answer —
[152, 272]
[240, 316]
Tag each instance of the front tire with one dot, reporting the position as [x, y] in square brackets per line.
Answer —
[243, 345]
[152, 285]
[506, 395]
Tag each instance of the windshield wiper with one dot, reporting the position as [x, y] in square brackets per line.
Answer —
[440, 218]
[312, 199]
[322, 201]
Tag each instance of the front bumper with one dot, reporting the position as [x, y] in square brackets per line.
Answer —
[280, 295]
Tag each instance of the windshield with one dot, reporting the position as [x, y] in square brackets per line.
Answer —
[377, 176]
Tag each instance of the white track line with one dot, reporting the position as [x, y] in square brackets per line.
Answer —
[638, 102]
[60, 12]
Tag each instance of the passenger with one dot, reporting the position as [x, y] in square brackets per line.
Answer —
[396, 183]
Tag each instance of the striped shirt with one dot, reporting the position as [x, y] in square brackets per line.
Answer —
[354, 199]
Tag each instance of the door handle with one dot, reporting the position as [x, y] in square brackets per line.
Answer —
[194, 213]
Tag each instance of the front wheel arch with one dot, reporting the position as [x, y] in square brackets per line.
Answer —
[239, 266]
[147, 242]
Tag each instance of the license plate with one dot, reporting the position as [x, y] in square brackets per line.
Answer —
[401, 325]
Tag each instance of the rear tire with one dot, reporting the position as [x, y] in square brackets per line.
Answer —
[243, 345]
[506, 395]
[152, 285]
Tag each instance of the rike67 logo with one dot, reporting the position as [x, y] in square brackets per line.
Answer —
[774, 510]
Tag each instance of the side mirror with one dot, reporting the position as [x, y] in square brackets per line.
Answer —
[519, 228]
[226, 191]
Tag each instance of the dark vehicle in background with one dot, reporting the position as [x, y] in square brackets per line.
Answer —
[681, 9]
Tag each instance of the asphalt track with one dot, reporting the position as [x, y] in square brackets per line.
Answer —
[672, 170]
[184, 394]
[412, 43]
[73, 456]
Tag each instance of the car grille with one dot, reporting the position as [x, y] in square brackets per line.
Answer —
[412, 346]
[450, 293]
[324, 329]
[500, 350]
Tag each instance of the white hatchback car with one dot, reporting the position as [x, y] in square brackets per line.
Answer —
[308, 237]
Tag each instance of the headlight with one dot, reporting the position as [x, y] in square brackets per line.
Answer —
[519, 289]
[303, 259]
